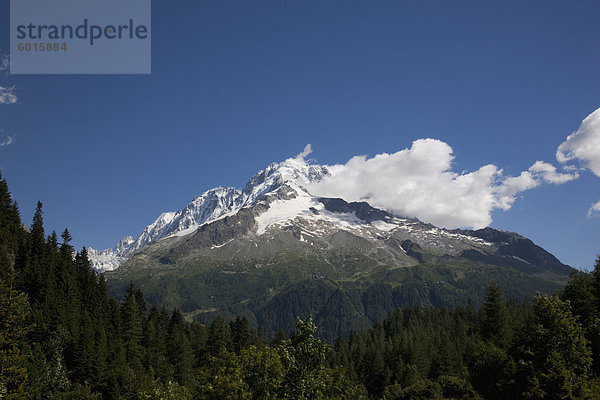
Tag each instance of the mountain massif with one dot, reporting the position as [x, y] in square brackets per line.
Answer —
[273, 251]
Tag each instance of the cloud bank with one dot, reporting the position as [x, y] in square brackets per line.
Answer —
[419, 182]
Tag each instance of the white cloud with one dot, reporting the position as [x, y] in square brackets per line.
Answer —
[548, 173]
[594, 210]
[7, 95]
[540, 172]
[419, 182]
[307, 150]
[9, 140]
[506, 191]
[583, 145]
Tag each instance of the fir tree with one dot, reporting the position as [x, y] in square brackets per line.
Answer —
[179, 350]
[131, 329]
[240, 334]
[494, 323]
[219, 336]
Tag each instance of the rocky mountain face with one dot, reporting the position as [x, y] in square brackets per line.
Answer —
[208, 207]
[273, 251]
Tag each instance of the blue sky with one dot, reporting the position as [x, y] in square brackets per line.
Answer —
[237, 85]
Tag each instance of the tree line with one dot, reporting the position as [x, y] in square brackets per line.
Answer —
[63, 337]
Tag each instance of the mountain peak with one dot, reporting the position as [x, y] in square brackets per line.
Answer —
[213, 204]
[295, 172]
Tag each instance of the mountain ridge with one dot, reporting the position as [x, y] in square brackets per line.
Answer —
[278, 194]
[207, 207]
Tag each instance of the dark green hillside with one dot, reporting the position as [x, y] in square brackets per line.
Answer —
[343, 288]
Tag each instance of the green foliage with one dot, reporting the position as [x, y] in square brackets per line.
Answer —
[491, 370]
[264, 371]
[304, 358]
[457, 388]
[168, 391]
[240, 334]
[553, 356]
[223, 378]
[131, 328]
[420, 390]
[554, 329]
[179, 349]
[307, 375]
[14, 327]
[494, 323]
[219, 336]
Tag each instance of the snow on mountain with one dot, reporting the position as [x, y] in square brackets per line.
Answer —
[124, 245]
[210, 206]
[303, 208]
[314, 219]
[293, 171]
[109, 259]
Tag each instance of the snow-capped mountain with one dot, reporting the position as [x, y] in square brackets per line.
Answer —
[277, 213]
[209, 206]
[274, 250]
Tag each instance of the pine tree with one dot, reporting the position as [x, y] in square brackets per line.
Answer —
[66, 237]
[494, 323]
[179, 349]
[131, 330]
[100, 367]
[219, 336]
[34, 272]
[70, 291]
[199, 342]
[37, 243]
[11, 234]
[85, 357]
[156, 347]
[240, 334]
